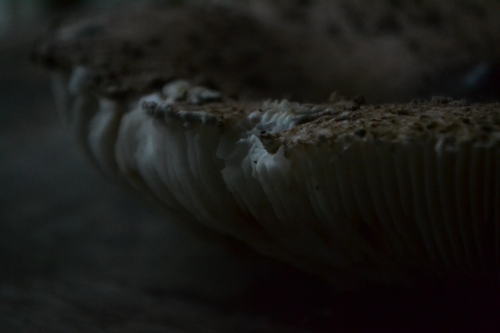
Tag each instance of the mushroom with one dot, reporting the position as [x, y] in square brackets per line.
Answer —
[389, 193]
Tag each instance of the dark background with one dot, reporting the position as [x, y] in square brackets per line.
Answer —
[78, 254]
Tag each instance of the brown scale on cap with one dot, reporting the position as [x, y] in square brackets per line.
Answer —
[400, 122]
[334, 123]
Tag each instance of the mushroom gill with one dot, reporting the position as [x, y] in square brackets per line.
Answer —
[348, 191]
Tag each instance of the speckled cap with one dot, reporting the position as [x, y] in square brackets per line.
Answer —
[135, 51]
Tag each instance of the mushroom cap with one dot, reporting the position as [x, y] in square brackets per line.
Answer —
[349, 191]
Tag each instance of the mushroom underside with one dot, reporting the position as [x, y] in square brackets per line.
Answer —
[348, 191]
[381, 193]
